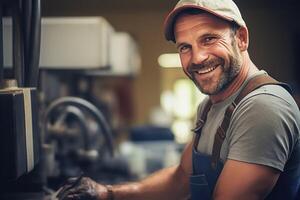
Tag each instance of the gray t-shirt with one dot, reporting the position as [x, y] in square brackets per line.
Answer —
[264, 129]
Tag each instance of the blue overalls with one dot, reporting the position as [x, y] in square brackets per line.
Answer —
[204, 178]
[206, 169]
[205, 172]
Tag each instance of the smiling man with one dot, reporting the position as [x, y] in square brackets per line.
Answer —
[257, 156]
[209, 51]
[247, 133]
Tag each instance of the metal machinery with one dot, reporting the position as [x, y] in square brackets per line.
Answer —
[20, 142]
[43, 142]
[77, 135]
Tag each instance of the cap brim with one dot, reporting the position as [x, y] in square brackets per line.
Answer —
[170, 19]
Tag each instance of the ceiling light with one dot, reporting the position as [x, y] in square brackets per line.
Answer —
[169, 60]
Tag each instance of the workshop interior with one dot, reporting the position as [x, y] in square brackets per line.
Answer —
[92, 87]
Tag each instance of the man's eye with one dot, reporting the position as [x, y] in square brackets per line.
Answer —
[183, 49]
[209, 40]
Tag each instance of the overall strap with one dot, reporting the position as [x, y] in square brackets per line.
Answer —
[252, 84]
[200, 123]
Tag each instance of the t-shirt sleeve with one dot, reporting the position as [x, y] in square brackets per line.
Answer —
[261, 131]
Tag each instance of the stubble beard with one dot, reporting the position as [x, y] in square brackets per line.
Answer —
[229, 73]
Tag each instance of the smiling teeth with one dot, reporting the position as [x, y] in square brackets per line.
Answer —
[206, 70]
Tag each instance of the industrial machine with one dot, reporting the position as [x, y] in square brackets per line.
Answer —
[20, 145]
[45, 140]
[77, 134]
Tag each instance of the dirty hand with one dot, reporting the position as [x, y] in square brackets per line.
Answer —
[82, 189]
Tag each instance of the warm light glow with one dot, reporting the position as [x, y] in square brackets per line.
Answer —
[181, 104]
[182, 130]
[167, 101]
[183, 99]
[169, 60]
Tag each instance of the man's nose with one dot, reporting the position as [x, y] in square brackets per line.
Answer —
[199, 56]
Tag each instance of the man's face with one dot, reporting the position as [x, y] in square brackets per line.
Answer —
[208, 51]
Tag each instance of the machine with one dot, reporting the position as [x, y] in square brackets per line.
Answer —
[46, 139]
[20, 142]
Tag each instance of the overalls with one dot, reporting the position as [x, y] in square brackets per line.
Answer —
[206, 169]
[204, 178]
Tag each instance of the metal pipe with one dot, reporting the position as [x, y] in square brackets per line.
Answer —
[99, 117]
[18, 51]
[34, 45]
[78, 114]
[82, 122]
[1, 48]
[26, 21]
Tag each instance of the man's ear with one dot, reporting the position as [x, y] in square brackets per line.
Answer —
[242, 38]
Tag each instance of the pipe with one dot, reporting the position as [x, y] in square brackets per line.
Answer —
[75, 101]
[18, 51]
[26, 21]
[34, 45]
[1, 48]
[78, 114]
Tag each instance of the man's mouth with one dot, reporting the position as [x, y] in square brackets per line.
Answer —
[206, 70]
[205, 67]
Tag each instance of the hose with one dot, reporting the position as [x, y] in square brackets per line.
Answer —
[18, 51]
[26, 21]
[99, 117]
[1, 47]
[34, 46]
[78, 114]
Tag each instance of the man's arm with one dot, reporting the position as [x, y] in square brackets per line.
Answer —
[170, 183]
[241, 180]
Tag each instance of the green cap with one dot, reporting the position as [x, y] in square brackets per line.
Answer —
[225, 9]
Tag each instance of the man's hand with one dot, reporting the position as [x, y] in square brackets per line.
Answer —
[82, 189]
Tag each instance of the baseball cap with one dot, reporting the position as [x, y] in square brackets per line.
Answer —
[225, 9]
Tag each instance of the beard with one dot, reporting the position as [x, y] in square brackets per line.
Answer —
[229, 72]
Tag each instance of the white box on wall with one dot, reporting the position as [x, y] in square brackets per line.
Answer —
[68, 42]
[124, 54]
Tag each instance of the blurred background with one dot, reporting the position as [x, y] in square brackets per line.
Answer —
[111, 99]
[274, 43]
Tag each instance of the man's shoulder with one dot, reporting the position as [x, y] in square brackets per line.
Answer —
[271, 109]
[270, 96]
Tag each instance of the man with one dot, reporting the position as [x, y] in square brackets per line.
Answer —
[258, 155]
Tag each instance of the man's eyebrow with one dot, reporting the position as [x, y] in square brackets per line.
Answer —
[208, 35]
